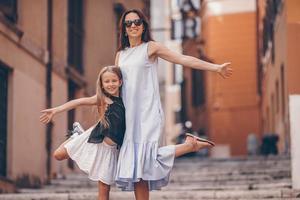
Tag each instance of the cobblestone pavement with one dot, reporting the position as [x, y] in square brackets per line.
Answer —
[191, 178]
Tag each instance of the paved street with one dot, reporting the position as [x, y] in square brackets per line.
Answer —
[192, 178]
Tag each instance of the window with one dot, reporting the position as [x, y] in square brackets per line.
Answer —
[272, 113]
[176, 29]
[273, 8]
[119, 9]
[72, 87]
[277, 96]
[282, 90]
[75, 34]
[3, 118]
[198, 90]
[177, 74]
[191, 21]
[183, 111]
[9, 9]
[268, 126]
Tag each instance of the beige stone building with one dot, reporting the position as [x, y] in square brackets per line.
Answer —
[279, 31]
[50, 51]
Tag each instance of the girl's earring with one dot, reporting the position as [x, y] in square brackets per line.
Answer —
[125, 34]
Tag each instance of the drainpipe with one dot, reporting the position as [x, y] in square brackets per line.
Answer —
[258, 62]
[49, 89]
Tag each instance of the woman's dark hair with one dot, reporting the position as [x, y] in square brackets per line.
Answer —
[123, 39]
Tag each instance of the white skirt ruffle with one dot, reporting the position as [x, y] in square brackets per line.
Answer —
[99, 161]
[146, 161]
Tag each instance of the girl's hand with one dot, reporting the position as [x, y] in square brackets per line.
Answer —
[225, 70]
[47, 115]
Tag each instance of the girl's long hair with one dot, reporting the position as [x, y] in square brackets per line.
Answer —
[123, 38]
[101, 94]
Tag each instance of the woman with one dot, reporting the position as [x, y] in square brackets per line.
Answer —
[142, 164]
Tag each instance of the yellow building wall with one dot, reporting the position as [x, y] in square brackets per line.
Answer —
[284, 71]
[233, 104]
[293, 45]
[293, 59]
[292, 7]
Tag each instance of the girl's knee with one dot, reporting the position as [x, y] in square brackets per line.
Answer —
[56, 155]
[59, 154]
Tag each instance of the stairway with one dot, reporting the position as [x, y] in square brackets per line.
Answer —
[191, 178]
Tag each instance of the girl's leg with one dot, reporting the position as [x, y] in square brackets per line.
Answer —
[191, 144]
[141, 190]
[103, 191]
[61, 153]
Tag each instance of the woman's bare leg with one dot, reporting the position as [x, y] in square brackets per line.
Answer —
[141, 190]
[103, 191]
[190, 145]
[61, 153]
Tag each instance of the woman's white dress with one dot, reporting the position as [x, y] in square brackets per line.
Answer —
[140, 156]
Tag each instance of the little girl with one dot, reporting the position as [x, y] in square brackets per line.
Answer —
[96, 150]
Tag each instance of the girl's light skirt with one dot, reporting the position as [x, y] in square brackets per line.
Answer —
[99, 161]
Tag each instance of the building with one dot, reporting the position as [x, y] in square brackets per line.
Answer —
[279, 30]
[226, 111]
[163, 13]
[259, 38]
[50, 52]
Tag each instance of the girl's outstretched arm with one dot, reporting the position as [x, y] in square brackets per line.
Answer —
[48, 114]
[158, 50]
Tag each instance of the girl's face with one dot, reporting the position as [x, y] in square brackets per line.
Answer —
[134, 25]
[111, 83]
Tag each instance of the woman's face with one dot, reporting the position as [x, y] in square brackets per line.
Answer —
[134, 25]
[111, 83]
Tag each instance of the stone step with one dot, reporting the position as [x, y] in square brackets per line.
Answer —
[257, 159]
[171, 187]
[227, 169]
[210, 171]
[229, 186]
[191, 178]
[231, 170]
[162, 195]
[185, 178]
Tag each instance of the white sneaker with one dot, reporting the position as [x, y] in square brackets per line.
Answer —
[77, 130]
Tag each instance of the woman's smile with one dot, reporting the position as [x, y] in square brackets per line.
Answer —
[134, 30]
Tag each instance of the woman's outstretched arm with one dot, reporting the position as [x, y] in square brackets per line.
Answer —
[158, 50]
[48, 114]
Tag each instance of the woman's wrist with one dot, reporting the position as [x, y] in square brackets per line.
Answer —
[217, 68]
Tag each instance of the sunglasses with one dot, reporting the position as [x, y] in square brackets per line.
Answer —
[136, 22]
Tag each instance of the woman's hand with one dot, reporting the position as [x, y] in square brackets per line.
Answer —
[47, 115]
[158, 50]
[225, 70]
